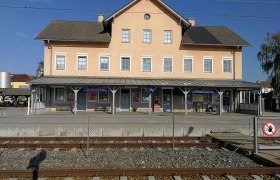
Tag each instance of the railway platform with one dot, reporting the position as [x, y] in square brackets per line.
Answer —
[245, 145]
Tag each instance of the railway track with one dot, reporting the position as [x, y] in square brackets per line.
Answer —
[107, 142]
[171, 173]
[35, 143]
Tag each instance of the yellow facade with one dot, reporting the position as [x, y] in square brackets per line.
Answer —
[19, 84]
[161, 20]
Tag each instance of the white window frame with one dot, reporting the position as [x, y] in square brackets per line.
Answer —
[65, 61]
[166, 41]
[108, 96]
[99, 66]
[123, 40]
[129, 64]
[64, 97]
[231, 64]
[82, 55]
[163, 62]
[142, 64]
[184, 58]
[212, 60]
[143, 36]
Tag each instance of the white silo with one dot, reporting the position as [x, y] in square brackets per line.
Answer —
[5, 80]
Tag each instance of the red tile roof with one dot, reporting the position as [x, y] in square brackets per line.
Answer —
[265, 83]
[20, 78]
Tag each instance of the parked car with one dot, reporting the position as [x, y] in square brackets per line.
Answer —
[9, 99]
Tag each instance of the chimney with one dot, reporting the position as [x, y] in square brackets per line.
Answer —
[100, 17]
[192, 21]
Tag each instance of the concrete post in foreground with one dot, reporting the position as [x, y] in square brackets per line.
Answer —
[76, 90]
[113, 111]
[256, 134]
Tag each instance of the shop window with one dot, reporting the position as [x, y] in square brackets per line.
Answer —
[145, 95]
[207, 98]
[103, 97]
[59, 94]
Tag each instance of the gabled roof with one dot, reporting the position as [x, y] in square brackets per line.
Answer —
[20, 78]
[74, 31]
[183, 20]
[212, 35]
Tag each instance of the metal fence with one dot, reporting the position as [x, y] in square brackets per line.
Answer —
[265, 126]
[123, 126]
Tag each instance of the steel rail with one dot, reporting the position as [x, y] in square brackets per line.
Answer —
[3, 139]
[107, 145]
[138, 172]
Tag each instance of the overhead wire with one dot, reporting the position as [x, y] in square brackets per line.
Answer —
[106, 11]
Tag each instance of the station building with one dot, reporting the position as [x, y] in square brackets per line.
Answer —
[145, 57]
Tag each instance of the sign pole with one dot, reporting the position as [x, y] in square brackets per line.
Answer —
[256, 135]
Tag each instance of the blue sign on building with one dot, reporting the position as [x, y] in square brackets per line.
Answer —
[95, 90]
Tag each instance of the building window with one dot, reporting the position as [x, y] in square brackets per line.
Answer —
[104, 63]
[59, 94]
[207, 98]
[41, 94]
[146, 64]
[188, 65]
[167, 64]
[82, 62]
[168, 37]
[147, 16]
[125, 35]
[145, 95]
[125, 63]
[60, 62]
[227, 65]
[208, 65]
[147, 36]
[103, 97]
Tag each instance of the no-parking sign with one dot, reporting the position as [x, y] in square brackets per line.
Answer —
[269, 129]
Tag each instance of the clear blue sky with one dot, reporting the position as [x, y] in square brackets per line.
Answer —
[20, 53]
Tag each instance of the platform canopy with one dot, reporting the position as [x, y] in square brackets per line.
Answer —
[14, 92]
[141, 82]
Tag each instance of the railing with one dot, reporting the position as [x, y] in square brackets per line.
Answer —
[122, 125]
[249, 108]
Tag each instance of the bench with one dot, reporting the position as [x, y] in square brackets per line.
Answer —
[103, 109]
[64, 107]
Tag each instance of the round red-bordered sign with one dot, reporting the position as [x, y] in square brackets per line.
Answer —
[269, 129]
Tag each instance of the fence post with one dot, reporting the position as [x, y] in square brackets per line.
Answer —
[256, 134]
[173, 132]
[88, 140]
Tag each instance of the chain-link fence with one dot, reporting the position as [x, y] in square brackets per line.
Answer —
[123, 126]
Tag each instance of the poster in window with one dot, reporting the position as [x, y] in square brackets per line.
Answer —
[92, 96]
[135, 96]
[70, 96]
[197, 97]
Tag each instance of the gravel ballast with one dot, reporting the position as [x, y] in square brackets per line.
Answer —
[21, 159]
